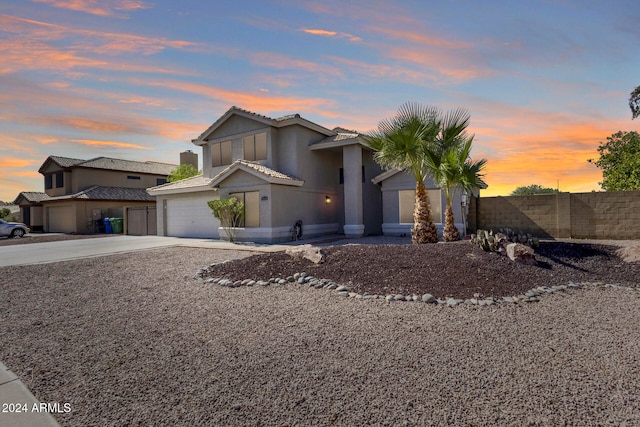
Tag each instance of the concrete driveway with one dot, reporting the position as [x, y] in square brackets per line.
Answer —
[47, 252]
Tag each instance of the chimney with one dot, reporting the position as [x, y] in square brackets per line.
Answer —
[189, 158]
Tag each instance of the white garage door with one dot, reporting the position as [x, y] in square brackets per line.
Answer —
[191, 218]
[61, 219]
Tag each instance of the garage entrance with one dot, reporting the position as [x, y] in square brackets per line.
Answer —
[191, 217]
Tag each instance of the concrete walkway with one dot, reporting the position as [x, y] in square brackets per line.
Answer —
[65, 250]
[14, 397]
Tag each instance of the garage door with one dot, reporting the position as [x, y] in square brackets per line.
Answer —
[61, 219]
[191, 218]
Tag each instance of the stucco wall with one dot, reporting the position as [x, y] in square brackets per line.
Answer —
[290, 204]
[84, 178]
[371, 195]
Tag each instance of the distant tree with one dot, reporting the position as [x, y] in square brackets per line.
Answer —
[183, 172]
[620, 162]
[230, 212]
[533, 189]
[4, 212]
[634, 103]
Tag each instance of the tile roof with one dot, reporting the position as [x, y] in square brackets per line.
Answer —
[33, 196]
[108, 193]
[193, 182]
[65, 162]
[128, 165]
[277, 122]
[270, 175]
[108, 163]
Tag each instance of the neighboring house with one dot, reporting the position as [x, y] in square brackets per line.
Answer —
[287, 170]
[79, 193]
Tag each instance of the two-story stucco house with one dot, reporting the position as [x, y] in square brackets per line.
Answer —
[78, 193]
[285, 170]
[289, 170]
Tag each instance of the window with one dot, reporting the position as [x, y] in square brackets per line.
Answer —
[251, 201]
[255, 146]
[160, 181]
[133, 177]
[48, 182]
[407, 201]
[221, 153]
[60, 179]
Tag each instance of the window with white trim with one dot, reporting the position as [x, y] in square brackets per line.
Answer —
[251, 201]
[407, 201]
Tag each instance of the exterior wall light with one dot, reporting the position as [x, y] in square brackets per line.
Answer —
[327, 199]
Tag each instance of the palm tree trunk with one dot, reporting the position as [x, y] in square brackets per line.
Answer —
[424, 230]
[450, 232]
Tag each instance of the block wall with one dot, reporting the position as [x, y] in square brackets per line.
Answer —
[595, 215]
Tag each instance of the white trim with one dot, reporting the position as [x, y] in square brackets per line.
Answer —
[353, 230]
[278, 234]
[398, 229]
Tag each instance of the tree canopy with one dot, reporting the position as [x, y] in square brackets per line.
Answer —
[182, 172]
[634, 103]
[424, 141]
[529, 190]
[620, 162]
[401, 142]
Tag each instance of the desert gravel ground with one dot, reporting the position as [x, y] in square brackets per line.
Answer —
[133, 340]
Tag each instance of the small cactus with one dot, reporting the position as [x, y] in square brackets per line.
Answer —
[497, 242]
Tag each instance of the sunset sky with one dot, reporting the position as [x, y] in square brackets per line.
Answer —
[545, 81]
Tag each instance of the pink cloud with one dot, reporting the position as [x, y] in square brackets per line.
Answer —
[99, 8]
[335, 34]
[115, 144]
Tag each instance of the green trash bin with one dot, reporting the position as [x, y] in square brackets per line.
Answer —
[116, 225]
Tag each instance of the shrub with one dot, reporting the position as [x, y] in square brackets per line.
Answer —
[230, 212]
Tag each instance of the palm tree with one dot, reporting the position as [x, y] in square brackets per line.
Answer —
[402, 142]
[451, 167]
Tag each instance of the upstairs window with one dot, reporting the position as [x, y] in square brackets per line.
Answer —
[160, 181]
[48, 182]
[255, 146]
[221, 153]
[136, 177]
[60, 179]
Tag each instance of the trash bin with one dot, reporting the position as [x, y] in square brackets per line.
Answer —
[116, 225]
[107, 225]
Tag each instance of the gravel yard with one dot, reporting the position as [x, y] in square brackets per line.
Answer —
[133, 339]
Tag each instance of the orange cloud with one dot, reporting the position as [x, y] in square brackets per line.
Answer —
[282, 62]
[262, 102]
[326, 33]
[421, 38]
[14, 162]
[116, 144]
[95, 7]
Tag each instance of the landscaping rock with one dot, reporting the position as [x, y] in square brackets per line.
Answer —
[312, 253]
[428, 298]
[522, 254]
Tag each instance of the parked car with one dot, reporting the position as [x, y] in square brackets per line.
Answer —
[13, 229]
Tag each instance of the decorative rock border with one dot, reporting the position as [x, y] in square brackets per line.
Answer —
[532, 295]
